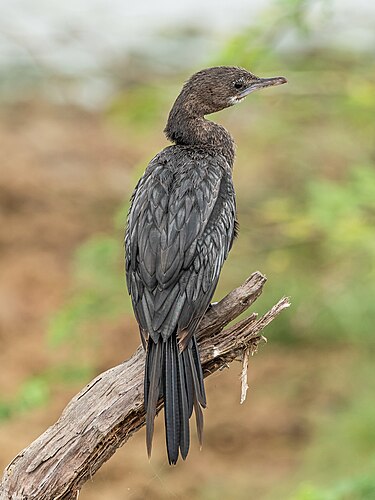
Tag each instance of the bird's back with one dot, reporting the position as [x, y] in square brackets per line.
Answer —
[180, 228]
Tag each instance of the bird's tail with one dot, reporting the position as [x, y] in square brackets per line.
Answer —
[177, 376]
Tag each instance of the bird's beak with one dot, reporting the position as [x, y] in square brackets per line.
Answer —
[261, 83]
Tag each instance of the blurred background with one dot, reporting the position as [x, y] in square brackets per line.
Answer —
[85, 89]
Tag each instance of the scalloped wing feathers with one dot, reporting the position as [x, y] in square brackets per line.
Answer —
[181, 226]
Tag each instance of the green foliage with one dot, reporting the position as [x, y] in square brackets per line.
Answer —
[33, 393]
[256, 45]
[327, 241]
[36, 391]
[139, 107]
[360, 488]
[339, 462]
[100, 291]
[99, 294]
[345, 211]
[345, 443]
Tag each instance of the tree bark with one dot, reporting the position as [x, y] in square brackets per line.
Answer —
[104, 415]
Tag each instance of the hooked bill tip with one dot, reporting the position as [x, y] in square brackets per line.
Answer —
[269, 82]
[260, 83]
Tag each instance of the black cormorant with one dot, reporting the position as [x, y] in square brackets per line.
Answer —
[181, 226]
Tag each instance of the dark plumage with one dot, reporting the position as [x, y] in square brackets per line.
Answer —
[181, 226]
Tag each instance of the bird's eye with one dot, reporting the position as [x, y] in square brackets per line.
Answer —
[238, 85]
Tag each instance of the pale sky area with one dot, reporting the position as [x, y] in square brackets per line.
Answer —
[79, 38]
[82, 33]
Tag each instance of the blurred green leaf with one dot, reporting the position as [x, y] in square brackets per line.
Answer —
[100, 289]
[362, 488]
[33, 393]
[138, 107]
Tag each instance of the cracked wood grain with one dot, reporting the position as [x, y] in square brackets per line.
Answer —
[105, 413]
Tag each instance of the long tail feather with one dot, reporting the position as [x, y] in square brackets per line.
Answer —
[171, 401]
[184, 407]
[198, 367]
[152, 388]
[176, 375]
[199, 421]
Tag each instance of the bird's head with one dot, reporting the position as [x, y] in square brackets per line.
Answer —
[214, 89]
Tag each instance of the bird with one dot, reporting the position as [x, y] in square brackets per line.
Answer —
[180, 228]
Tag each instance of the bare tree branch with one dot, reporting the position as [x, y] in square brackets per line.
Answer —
[110, 409]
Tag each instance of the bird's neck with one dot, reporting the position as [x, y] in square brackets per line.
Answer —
[187, 129]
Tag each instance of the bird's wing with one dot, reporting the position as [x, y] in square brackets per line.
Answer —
[180, 228]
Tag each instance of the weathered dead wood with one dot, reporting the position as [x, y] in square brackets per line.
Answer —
[103, 416]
